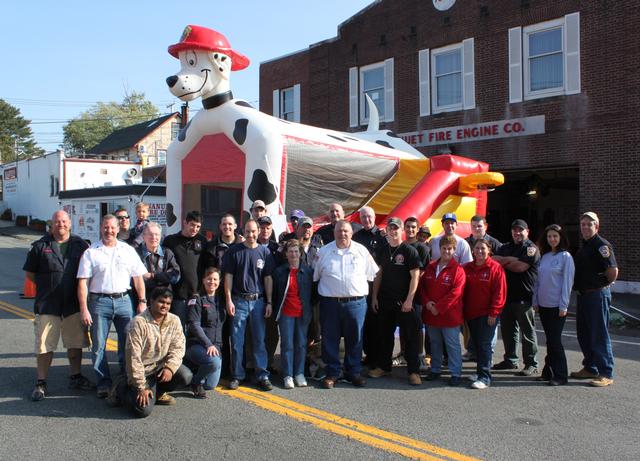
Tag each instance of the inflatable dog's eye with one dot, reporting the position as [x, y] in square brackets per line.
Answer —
[191, 58]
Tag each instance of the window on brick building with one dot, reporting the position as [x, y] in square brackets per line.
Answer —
[175, 130]
[447, 78]
[162, 156]
[286, 103]
[544, 59]
[375, 81]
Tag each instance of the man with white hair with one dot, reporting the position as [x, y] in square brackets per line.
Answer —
[162, 268]
[52, 264]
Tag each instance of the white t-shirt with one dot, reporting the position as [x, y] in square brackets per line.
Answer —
[110, 268]
[462, 253]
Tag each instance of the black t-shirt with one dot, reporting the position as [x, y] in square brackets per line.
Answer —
[326, 232]
[396, 264]
[370, 238]
[493, 242]
[187, 251]
[592, 260]
[214, 252]
[248, 266]
[55, 274]
[424, 252]
[520, 284]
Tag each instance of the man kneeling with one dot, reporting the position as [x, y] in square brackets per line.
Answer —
[154, 352]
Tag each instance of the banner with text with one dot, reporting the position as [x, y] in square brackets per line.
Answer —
[477, 132]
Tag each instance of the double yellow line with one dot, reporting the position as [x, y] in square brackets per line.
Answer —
[368, 435]
[28, 315]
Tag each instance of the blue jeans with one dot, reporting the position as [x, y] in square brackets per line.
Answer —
[209, 367]
[592, 325]
[104, 311]
[451, 337]
[293, 345]
[339, 319]
[483, 338]
[253, 311]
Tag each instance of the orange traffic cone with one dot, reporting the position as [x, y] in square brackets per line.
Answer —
[29, 290]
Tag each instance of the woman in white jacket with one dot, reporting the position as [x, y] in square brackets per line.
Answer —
[551, 299]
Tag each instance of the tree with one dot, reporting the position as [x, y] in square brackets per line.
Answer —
[16, 138]
[102, 119]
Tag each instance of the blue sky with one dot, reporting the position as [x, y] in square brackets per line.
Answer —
[62, 57]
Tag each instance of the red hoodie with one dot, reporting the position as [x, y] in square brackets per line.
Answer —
[446, 291]
[485, 291]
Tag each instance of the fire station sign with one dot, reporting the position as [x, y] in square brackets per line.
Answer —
[509, 128]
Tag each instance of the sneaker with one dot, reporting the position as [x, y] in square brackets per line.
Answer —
[329, 382]
[528, 371]
[288, 382]
[300, 381]
[398, 360]
[378, 373]
[198, 391]
[583, 374]
[165, 399]
[431, 376]
[81, 383]
[479, 385]
[39, 391]
[265, 385]
[455, 381]
[505, 365]
[601, 381]
[473, 378]
[233, 384]
[102, 392]
[414, 379]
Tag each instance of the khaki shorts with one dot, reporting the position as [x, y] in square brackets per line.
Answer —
[49, 327]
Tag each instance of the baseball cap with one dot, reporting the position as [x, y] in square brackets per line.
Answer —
[264, 220]
[424, 230]
[395, 221]
[296, 214]
[258, 204]
[451, 216]
[591, 215]
[519, 223]
[305, 220]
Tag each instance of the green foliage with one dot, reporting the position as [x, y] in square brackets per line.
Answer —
[102, 119]
[15, 133]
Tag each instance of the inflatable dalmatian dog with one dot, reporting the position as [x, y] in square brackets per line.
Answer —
[227, 125]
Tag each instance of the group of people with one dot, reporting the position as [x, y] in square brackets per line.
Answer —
[177, 326]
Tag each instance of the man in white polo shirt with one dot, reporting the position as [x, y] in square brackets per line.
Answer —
[343, 270]
[104, 275]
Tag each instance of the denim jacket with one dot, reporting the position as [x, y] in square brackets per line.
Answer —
[305, 288]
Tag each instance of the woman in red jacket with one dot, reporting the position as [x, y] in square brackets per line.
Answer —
[484, 297]
[441, 289]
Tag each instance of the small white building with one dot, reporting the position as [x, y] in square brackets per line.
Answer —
[31, 187]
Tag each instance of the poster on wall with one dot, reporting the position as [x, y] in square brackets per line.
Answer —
[157, 213]
[10, 181]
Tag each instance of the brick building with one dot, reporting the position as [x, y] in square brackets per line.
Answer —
[546, 92]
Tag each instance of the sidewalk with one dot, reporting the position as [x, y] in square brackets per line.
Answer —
[8, 228]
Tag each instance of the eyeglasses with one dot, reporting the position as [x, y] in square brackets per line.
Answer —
[120, 218]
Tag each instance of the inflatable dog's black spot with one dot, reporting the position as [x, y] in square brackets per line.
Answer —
[215, 56]
[260, 188]
[183, 132]
[223, 58]
[384, 143]
[351, 139]
[336, 137]
[171, 218]
[240, 131]
[392, 134]
[244, 104]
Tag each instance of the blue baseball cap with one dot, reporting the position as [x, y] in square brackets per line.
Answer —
[296, 214]
[449, 216]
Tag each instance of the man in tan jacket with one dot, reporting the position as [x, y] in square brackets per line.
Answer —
[154, 351]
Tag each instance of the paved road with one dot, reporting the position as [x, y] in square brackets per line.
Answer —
[514, 419]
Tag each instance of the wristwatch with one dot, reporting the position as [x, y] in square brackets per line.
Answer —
[143, 301]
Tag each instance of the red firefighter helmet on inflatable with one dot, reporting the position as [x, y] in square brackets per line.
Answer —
[201, 38]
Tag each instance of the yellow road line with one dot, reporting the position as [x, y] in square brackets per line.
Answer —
[350, 429]
[112, 345]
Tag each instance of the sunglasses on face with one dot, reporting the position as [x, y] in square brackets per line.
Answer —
[122, 217]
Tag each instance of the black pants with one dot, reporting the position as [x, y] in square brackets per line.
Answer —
[370, 330]
[179, 308]
[555, 362]
[389, 317]
[128, 395]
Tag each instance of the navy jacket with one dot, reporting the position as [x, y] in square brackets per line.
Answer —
[204, 321]
[305, 289]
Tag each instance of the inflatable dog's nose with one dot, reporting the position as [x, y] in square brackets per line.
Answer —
[172, 80]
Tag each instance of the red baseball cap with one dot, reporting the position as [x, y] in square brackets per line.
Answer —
[201, 38]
